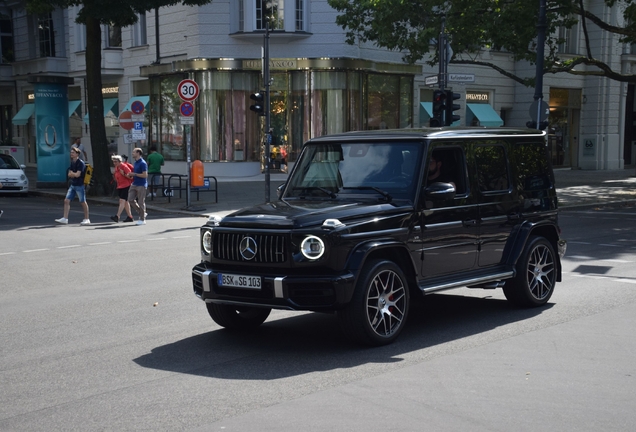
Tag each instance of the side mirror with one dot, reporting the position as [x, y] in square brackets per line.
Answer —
[440, 191]
[280, 189]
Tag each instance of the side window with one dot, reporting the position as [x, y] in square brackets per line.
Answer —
[448, 165]
[492, 168]
[532, 166]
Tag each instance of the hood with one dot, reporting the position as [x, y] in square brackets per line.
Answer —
[12, 175]
[302, 214]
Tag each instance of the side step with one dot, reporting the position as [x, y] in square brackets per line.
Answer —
[487, 280]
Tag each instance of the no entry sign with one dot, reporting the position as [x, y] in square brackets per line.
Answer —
[125, 120]
[188, 90]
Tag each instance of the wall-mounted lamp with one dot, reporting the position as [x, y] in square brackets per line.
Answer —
[584, 99]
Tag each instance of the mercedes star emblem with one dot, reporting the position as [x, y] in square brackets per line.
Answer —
[247, 248]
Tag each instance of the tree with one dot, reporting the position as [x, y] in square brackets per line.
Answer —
[412, 26]
[94, 13]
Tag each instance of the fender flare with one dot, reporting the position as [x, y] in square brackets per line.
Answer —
[361, 252]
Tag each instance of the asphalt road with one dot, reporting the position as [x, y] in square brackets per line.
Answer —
[100, 331]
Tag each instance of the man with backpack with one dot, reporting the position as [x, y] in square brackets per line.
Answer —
[76, 172]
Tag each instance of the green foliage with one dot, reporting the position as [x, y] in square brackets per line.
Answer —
[413, 26]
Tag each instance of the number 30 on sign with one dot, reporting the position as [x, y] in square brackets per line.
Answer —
[188, 90]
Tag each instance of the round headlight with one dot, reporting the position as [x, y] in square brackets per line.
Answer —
[206, 242]
[312, 247]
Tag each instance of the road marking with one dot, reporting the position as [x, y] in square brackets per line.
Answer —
[609, 245]
[617, 261]
[609, 278]
[581, 257]
[93, 244]
[577, 242]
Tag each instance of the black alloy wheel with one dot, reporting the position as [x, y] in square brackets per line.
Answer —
[536, 275]
[379, 307]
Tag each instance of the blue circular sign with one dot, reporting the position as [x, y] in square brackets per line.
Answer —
[187, 109]
[137, 107]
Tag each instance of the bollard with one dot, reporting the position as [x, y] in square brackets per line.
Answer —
[196, 173]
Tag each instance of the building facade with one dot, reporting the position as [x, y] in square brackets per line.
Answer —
[320, 85]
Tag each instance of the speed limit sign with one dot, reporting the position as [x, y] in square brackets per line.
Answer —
[188, 90]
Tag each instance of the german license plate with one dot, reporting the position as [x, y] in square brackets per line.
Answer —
[239, 281]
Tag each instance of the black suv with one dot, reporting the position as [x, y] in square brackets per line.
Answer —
[366, 220]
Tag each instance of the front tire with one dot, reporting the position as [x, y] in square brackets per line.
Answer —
[536, 275]
[379, 307]
[237, 317]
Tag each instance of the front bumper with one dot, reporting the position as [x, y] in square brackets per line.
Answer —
[307, 292]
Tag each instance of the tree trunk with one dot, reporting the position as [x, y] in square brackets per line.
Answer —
[99, 143]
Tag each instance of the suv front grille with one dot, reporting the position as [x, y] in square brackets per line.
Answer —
[270, 248]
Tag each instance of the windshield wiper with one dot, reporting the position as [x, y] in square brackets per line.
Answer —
[384, 193]
[321, 189]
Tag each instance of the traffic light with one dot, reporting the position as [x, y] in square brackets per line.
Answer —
[451, 118]
[259, 106]
[439, 107]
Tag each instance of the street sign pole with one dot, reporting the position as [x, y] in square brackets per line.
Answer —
[538, 85]
[268, 132]
[186, 129]
[188, 91]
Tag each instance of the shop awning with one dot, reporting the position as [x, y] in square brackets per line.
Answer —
[22, 117]
[426, 109]
[72, 106]
[484, 113]
[143, 99]
[426, 113]
[110, 104]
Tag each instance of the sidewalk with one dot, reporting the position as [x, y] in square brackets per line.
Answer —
[575, 189]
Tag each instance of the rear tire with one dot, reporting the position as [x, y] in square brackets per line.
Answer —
[237, 317]
[536, 275]
[379, 307]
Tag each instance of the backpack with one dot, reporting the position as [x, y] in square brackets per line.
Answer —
[88, 175]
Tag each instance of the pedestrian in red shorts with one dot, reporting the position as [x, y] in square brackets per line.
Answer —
[123, 184]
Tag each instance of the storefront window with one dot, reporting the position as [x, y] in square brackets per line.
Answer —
[565, 105]
[166, 131]
[329, 97]
[383, 103]
[299, 111]
[227, 131]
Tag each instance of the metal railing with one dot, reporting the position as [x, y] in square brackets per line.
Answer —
[169, 184]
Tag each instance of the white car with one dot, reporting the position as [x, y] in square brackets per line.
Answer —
[12, 176]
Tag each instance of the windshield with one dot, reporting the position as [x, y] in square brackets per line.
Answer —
[7, 162]
[330, 170]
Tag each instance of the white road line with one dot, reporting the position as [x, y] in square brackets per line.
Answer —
[617, 261]
[35, 250]
[578, 242]
[581, 257]
[160, 238]
[609, 245]
[178, 237]
[98, 244]
[7, 253]
[609, 278]
[68, 247]
[127, 241]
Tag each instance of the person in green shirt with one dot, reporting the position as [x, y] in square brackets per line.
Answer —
[155, 162]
